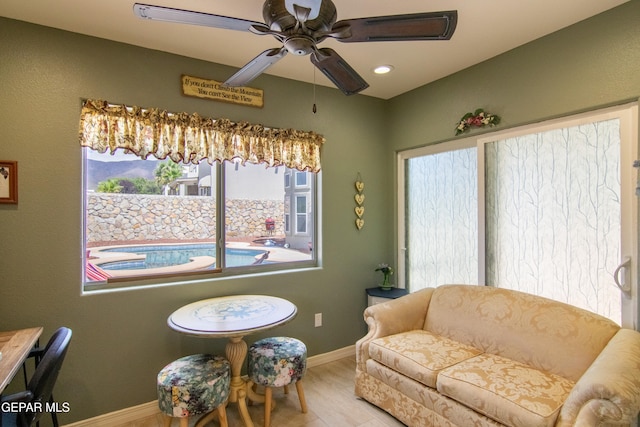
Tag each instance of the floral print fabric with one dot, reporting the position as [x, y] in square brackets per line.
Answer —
[507, 391]
[193, 385]
[608, 391]
[277, 361]
[189, 138]
[413, 403]
[420, 355]
[522, 361]
[547, 335]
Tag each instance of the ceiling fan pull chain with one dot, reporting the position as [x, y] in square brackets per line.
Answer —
[315, 109]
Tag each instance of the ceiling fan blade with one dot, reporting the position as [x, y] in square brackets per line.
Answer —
[338, 71]
[167, 14]
[256, 67]
[415, 26]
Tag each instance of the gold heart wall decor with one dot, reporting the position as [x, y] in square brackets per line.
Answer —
[359, 197]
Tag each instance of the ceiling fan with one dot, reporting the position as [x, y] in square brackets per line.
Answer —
[300, 25]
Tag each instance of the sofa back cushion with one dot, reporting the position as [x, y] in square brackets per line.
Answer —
[542, 333]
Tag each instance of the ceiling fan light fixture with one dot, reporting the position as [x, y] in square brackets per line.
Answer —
[383, 69]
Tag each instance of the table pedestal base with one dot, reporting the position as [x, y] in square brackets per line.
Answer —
[236, 351]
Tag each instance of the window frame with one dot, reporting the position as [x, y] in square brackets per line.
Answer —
[629, 212]
[126, 283]
[401, 157]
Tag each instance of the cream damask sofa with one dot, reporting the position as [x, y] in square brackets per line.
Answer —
[461, 355]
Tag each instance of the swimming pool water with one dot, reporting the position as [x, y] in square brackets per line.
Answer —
[168, 255]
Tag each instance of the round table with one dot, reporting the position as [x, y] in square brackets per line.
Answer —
[233, 317]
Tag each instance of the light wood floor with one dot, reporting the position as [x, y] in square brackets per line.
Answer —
[330, 399]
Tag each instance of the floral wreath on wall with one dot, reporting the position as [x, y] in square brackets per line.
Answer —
[479, 119]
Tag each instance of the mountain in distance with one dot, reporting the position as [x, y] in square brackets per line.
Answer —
[98, 171]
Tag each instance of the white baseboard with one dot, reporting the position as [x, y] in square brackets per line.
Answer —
[148, 409]
[332, 356]
[120, 417]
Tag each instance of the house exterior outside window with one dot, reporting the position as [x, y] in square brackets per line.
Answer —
[298, 204]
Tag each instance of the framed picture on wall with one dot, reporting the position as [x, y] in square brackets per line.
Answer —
[8, 181]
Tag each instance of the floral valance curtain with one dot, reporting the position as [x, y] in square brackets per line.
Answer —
[189, 138]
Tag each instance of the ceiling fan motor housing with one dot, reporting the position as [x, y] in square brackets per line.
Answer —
[300, 45]
[278, 18]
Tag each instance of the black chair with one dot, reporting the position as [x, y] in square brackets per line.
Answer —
[40, 387]
[36, 354]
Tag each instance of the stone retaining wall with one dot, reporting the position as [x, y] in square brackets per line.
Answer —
[126, 217]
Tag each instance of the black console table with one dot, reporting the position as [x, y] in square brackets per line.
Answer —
[377, 295]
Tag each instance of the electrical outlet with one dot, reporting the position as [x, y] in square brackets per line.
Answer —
[318, 320]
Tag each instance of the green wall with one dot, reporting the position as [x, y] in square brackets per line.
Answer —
[121, 339]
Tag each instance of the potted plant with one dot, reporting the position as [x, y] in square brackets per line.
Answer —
[387, 271]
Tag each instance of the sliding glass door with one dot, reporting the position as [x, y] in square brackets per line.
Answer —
[441, 220]
[547, 209]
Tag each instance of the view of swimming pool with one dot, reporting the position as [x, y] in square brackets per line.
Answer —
[168, 255]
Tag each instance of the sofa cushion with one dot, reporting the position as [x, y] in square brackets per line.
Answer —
[507, 391]
[419, 354]
[538, 332]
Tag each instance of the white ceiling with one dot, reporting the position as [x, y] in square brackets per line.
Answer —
[485, 29]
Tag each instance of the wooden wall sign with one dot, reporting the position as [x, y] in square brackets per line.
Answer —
[211, 89]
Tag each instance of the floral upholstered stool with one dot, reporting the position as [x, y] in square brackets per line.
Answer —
[277, 362]
[194, 385]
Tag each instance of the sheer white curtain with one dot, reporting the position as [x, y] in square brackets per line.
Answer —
[547, 209]
[442, 219]
[553, 214]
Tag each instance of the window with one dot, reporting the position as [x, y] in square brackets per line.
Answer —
[215, 204]
[441, 227]
[547, 209]
[301, 214]
[301, 179]
[150, 217]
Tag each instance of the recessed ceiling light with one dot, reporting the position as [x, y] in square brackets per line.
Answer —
[383, 69]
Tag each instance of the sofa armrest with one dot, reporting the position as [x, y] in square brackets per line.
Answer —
[609, 391]
[403, 314]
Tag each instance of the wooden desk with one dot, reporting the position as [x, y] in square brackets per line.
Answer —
[233, 317]
[15, 347]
